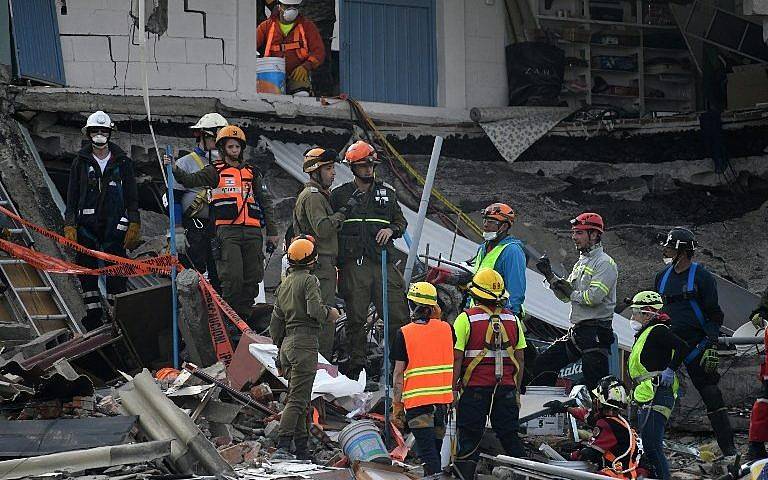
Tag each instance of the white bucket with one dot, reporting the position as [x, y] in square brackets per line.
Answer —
[360, 440]
[270, 75]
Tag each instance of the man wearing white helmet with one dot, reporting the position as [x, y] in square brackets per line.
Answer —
[194, 230]
[102, 209]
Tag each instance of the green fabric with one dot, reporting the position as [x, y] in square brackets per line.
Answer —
[645, 389]
[298, 356]
[326, 274]
[286, 27]
[241, 266]
[489, 260]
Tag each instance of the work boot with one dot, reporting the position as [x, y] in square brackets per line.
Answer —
[721, 425]
[283, 451]
[756, 451]
[302, 451]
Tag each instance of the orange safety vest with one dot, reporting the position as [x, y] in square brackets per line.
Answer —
[296, 40]
[482, 354]
[631, 456]
[428, 377]
[233, 201]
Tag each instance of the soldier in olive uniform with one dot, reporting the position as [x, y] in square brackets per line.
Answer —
[313, 216]
[294, 327]
[373, 221]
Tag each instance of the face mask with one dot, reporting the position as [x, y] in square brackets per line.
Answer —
[635, 325]
[490, 235]
[99, 140]
[290, 14]
[668, 260]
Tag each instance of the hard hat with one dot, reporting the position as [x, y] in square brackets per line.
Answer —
[488, 284]
[611, 392]
[210, 121]
[588, 221]
[302, 252]
[361, 152]
[230, 131]
[98, 119]
[679, 238]
[500, 212]
[647, 299]
[423, 293]
[315, 158]
[291, 2]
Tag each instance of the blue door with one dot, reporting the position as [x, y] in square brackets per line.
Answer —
[388, 50]
[36, 44]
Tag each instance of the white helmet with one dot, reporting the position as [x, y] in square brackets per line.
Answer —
[291, 2]
[98, 119]
[212, 121]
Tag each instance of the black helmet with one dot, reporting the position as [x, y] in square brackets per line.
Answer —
[678, 238]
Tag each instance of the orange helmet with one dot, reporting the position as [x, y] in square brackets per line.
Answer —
[361, 152]
[500, 212]
[315, 158]
[588, 221]
[230, 131]
[302, 252]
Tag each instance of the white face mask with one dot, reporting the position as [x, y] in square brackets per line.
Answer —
[99, 140]
[490, 235]
[290, 14]
[635, 325]
[668, 260]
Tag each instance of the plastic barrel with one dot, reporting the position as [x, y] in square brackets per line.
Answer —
[270, 75]
[360, 440]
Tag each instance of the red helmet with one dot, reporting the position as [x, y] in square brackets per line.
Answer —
[500, 212]
[361, 152]
[588, 221]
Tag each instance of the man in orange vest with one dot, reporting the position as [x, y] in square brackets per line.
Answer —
[488, 365]
[286, 33]
[423, 374]
[242, 210]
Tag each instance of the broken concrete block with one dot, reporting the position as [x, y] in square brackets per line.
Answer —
[234, 454]
[272, 429]
[222, 430]
[252, 452]
[244, 368]
[193, 319]
[503, 473]
[15, 332]
[221, 412]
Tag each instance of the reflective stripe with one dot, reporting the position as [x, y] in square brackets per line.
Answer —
[421, 392]
[93, 306]
[122, 227]
[225, 202]
[363, 220]
[425, 297]
[90, 294]
[474, 353]
[478, 317]
[225, 190]
[585, 296]
[599, 285]
[646, 376]
[87, 211]
[428, 370]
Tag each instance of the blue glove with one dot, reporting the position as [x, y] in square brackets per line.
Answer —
[667, 377]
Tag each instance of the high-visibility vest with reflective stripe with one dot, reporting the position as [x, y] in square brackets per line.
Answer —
[428, 377]
[296, 40]
[233, 201]
[484, 374]
[489, 260]
[646, 383]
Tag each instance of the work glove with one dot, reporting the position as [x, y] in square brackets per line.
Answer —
[398, 415]
[758, 319]
[545, 267]
[556, 406]
[710, 361]
[182, 243]
[70, 233]
[132, 236]
[667, 377]
[563, 287]
[300, 74]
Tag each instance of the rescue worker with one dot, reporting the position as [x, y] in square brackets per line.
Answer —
[373, 221]
[294, 327]
[690, 299]
[242, 210]
[102, 210]
[591, 291]
[423, 376]
[195, 231]
[656, 354]
[758, 421]
[314, 216]
[614, 445]
[503, 253]
[487, 367]
[287, 33]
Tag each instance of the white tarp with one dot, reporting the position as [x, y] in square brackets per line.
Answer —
[540, 302]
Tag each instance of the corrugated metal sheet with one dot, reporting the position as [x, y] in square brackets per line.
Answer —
[540, 302]
[36, 41]
[5, 34]
[388, 50]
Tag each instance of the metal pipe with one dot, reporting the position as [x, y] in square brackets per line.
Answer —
[741, 340]
[558, 472]
[172, 242]
[425, 194]
[385, 316]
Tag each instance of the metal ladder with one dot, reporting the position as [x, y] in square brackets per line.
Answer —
[31, 293]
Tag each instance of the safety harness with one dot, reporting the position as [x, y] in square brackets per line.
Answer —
[689, 293]
[496, 340]
[616, 469]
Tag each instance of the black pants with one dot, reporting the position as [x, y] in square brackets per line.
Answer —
[198, 255]
[591, 344]
[90, 283]
[427, 423]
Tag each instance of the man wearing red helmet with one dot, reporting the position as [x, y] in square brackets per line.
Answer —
[591, 291]
[373, 220]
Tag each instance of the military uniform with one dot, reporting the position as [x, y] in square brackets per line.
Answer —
[314, 216]
[241, 208]
[294, 327]
[360, 262]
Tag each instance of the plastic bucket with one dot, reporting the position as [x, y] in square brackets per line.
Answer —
[270, 75]
[360, 440]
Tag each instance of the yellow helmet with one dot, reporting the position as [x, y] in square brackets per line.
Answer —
[488, 284]
[423, 293]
